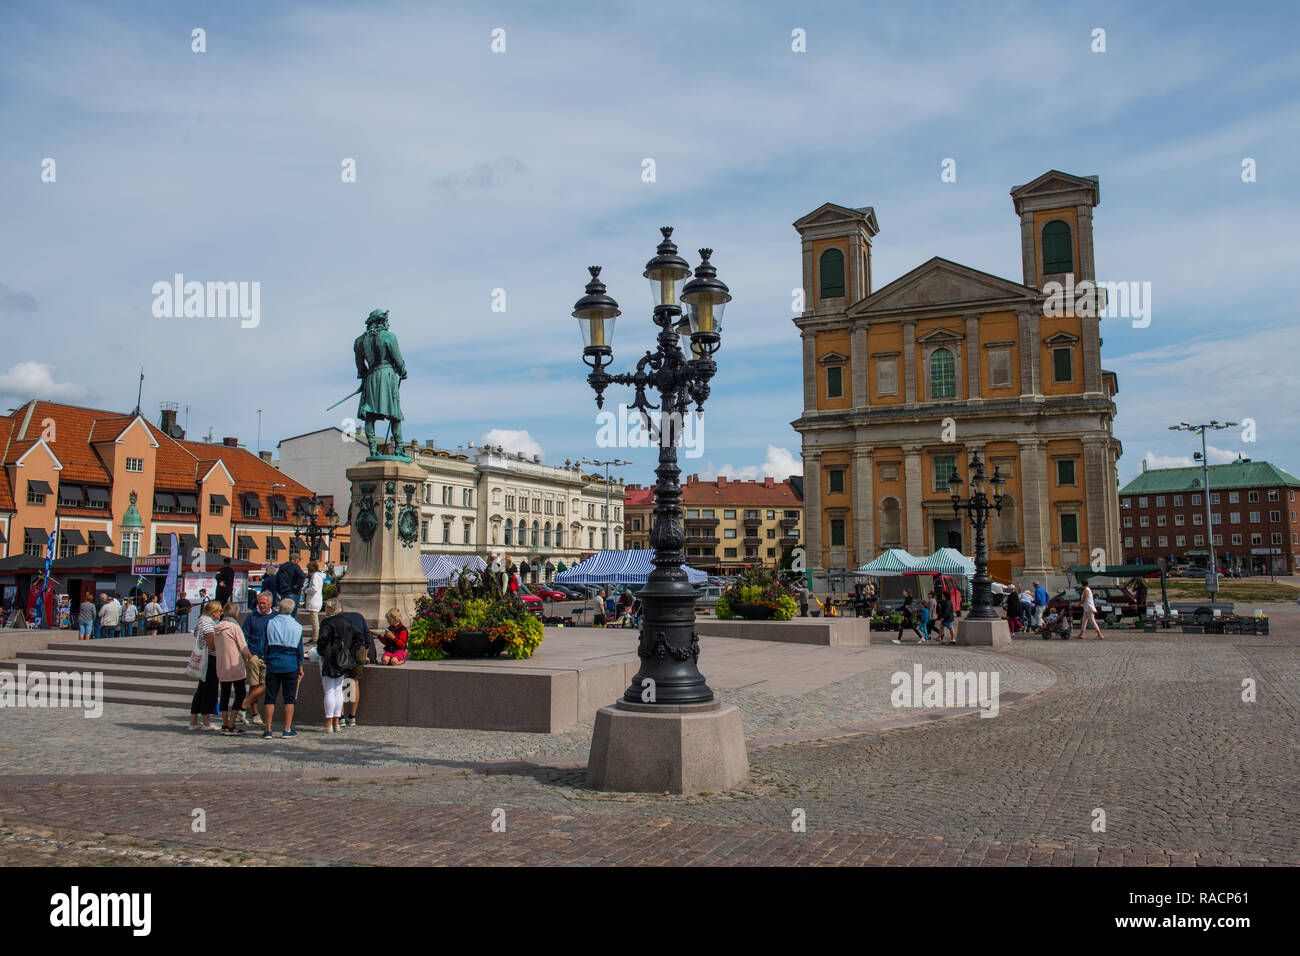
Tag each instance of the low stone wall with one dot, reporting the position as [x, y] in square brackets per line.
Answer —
[13, 640]
[834, 631]
[488, 695]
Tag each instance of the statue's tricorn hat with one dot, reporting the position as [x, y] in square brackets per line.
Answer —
[379, 315]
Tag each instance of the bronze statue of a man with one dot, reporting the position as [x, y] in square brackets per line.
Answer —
[381, 370]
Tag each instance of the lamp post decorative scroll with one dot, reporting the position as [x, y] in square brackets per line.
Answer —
[305, 525]
[977, 508]
[679, 369]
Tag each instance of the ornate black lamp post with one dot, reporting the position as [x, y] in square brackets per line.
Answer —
[679, 369]
[305, 524]
[977, 508]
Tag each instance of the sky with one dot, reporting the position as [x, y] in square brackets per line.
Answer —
[486, 181]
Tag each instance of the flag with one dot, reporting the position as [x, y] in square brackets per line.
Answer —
[168, 600]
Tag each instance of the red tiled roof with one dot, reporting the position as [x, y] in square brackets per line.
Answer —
[740, 494]
[639, 497]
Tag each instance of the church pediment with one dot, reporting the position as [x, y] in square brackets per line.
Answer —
[1055, 187]
[941, 284]
[829, 214]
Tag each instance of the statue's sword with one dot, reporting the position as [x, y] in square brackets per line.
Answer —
[344, 399]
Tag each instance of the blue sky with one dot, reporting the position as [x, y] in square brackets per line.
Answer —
[479, 171]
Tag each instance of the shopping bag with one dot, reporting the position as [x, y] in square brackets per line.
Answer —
[197, 666]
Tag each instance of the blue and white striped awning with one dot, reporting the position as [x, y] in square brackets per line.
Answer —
[893, 561]
[947, 561]
[619, 567]
[443, 569]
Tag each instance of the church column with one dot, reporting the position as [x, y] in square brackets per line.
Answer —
[1034, 510]
[1027, 255]
[1031, 352]
[864, 508]
[912, 492]
[809, 372]
[1084, 220]
[1091, 345]
[1095, 475]
[909, 361]
[812, 509]
[973, 351]
[858, 366]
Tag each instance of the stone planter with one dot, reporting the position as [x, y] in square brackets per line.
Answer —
[474, 644]
[753, 612]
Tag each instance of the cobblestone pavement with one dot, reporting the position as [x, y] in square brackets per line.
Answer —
[1151, 730]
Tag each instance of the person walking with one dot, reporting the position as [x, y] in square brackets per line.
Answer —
[204, 703]
[1013, 608]
[930, 618]
[254, 628]
[283, 666]
[153, 614]
[313, 595]
[289, 580]
[947, 616]
[232, 656]
[336, 647]
[365, 655]
[225, 583]
[85, 618]
[1040, 604]
[1089, 614]
[130, 613]
[907, 621]
[181, 616]
[110, 617]
[804, 595]
[1140, 593]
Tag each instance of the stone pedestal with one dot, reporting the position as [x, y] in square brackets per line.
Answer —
[384, 569]
[984, 633]
[648, 748]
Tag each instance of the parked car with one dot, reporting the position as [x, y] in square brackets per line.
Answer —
[1107, 597]
[549, 593]
[531, 600]
[707, 594]
[570, 592]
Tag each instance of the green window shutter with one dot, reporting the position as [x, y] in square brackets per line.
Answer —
[831, 268]
[836, 481]
[1058, 254]
[943, 374]
[835, 382]
[1069, 529]
[1063, 365]
[837, 532]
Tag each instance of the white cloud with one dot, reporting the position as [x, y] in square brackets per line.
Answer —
[515, 441]
[1218, 456]
[780, 464]
[36, 380]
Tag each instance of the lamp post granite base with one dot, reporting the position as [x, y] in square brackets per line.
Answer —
[657, 748]
[985, 632]
[384, 569]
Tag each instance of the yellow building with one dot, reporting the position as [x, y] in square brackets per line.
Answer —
[904, 383]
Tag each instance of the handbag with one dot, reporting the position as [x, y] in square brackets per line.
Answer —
[197, 667]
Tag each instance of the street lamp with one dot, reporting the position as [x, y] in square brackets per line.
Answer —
[977, 507]
[669, 647]
[1212, 575]
[609, 540]
[306, 526]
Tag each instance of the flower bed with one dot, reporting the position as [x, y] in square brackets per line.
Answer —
[475, 604]
[757, 596]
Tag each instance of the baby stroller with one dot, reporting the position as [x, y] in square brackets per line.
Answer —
[1055, 624]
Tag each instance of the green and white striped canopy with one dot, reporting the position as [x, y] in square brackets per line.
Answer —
[893, 561]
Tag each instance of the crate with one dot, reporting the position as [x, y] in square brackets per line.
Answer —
[1193, 629]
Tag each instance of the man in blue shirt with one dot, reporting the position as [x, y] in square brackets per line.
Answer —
[283, 654]
[289, 579]
[254, 625]
[1040, 603]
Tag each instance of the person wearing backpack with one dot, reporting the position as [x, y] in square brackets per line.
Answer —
[336, 648]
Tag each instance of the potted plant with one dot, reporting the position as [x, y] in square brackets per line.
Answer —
[473, 618]
[757, 595]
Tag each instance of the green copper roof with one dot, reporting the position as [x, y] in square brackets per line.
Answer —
[1237, 474]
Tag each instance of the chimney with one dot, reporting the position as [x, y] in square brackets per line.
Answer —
[1144, 464]
[167, 421]
[230, 442]
[767, 482]
[265, 456]
[722, 481]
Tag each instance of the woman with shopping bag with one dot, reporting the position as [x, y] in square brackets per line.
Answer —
[202, 667]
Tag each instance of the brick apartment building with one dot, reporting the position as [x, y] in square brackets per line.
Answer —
[729, 524]
[1253, 508]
